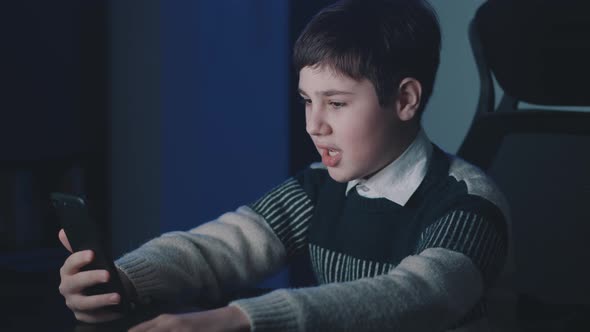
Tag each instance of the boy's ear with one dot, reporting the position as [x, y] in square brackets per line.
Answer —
[408, 98]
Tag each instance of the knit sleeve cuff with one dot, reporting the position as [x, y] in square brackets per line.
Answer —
[271, 312]
[142, 276]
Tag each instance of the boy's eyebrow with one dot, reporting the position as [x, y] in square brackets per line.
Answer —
[328, 93]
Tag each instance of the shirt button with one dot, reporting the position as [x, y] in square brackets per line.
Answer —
[364, 188]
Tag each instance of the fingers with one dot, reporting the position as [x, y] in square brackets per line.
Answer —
[76, 261]
[90, 309]
[74, 281]
[64, 240]
[97, 316]
[83, 303]
[93, 308]
[74, 284]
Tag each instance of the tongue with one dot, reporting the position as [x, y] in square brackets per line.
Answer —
[330, 161]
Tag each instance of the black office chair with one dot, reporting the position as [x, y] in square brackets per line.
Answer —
[539, 53]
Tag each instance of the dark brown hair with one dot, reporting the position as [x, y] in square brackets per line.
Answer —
[383, 41]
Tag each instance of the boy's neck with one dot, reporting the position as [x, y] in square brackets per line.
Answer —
[407, 135]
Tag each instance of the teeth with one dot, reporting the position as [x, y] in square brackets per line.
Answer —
[332, 153]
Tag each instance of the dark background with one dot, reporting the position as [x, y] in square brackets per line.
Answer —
[164, 114]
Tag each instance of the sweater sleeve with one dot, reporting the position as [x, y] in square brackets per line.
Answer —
[457, 257]
[238, 249]
[425, 292]
[233, 251]
[480, 236]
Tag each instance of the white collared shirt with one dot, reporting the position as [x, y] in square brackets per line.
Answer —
[400, 179]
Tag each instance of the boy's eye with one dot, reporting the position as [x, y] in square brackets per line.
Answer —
[336, 104]
[304, 101]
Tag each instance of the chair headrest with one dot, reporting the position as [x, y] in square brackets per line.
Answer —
[538, 50]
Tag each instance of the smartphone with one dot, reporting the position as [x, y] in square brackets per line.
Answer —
[83, 233]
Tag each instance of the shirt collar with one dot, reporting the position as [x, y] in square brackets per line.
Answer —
[400, 179]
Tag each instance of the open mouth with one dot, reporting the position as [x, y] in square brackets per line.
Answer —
[330, 157]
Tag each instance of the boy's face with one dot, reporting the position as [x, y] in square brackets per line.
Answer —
[355, 136]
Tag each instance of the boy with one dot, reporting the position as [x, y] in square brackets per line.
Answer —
[401, 236]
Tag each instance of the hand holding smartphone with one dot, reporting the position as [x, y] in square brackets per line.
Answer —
[84, 234]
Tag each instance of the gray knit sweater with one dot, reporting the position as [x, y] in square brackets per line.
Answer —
[421, 266]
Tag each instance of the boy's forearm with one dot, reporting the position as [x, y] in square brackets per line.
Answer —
[426, 292]
[234, 250]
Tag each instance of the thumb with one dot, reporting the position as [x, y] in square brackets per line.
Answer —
[64, 240]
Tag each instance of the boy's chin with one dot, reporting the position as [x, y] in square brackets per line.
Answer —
[339, 176]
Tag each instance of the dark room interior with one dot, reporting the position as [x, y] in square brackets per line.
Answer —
[150, 110]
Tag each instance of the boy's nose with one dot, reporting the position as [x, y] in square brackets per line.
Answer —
[315, 124]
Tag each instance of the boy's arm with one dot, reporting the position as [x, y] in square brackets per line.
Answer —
[238, 249]
[235, 250]
[425, 292]
[431, 291]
